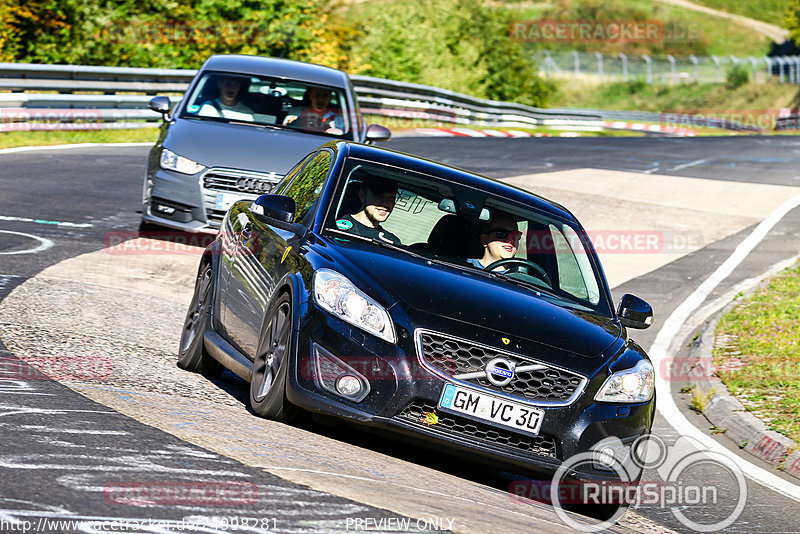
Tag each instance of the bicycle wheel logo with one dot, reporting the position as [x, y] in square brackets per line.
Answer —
[704, 490]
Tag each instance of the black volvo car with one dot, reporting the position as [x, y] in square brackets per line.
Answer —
[418, 298]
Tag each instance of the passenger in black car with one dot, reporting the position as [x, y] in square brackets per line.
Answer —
[377, 196]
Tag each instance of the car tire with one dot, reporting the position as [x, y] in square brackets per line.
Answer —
[192, 354]
[271, 364]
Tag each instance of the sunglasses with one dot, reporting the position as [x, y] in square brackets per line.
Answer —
[503, 234]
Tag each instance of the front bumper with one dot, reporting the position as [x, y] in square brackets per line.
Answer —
[199, 202]
[403, 391]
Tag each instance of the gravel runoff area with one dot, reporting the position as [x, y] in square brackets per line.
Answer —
[128, 310]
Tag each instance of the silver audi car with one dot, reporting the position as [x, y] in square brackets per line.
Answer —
[242, 124]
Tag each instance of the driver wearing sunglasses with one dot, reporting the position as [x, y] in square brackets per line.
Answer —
[500, 238]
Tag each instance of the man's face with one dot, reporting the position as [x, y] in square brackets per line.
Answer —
[229, 90]
[378, 206]
[502, 239]
[320, 98]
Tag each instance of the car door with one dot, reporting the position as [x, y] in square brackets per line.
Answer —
[261, 249]
[235, 272]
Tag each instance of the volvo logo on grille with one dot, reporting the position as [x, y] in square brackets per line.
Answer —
[500, 371]
[253, 185]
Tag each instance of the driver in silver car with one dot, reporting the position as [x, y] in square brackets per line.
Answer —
[500, 239]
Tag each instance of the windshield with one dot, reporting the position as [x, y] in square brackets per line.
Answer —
[470, 229]
[273, 102]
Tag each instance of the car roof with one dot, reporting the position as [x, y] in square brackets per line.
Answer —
[425, 166]
[270, 66]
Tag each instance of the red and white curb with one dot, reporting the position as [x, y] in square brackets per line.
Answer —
[470, 132]
[654, 128]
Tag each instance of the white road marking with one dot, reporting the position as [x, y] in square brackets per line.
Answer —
[44, 244]
[43, 221]
[42, 428]
[65, 147]
[687, 165]
[666, 336]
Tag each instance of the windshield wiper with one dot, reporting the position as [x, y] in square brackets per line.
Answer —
[530, 285]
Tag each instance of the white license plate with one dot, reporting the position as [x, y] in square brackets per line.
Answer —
[224, 200]
[502, 412]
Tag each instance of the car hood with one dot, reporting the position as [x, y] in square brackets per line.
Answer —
[473, 299]
[238, 146]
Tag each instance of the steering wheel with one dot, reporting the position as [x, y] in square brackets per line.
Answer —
[522, 265]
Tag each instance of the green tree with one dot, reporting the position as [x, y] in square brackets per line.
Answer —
[461, 45]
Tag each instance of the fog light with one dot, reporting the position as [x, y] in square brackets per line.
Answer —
[605, 457]
[348, 385]
[168, 210]
[335, 376]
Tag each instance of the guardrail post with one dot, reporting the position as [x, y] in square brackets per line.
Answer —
[671, 67]
[755, 68]
[715, 59]
[624, 59]
[599, 57]
[768, 61]
[576, 62]
[694, 61]
[781, 63]
[649, 68]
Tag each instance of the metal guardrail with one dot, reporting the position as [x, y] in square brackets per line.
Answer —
[64, 104]
[120, 95]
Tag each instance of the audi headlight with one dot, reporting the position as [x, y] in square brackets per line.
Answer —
[631, 385]
[336, 294]
[173, 162]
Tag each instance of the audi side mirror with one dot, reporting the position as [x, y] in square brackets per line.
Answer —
[376, 133]
[160, 104]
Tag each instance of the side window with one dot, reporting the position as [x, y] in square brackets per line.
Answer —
[574, 269]
[308, 185]
[283, 184]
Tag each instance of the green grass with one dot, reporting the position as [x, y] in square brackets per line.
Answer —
[767, 10]
[760, 359]
[685, 31]
[66, 137]
[752, 100]
[399, 125]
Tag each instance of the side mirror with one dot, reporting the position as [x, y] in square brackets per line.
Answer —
[376, 132]
[159, 104]
[633, 312]
[277, 207]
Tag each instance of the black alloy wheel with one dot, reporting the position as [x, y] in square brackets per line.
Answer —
[270, 368]
[192, 354]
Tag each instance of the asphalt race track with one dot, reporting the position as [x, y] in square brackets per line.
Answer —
[81, 449]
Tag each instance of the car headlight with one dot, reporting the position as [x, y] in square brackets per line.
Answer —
[173, 162]
[631, 385]
[337, 295]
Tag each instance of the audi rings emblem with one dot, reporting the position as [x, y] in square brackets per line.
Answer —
[500, 371]
[253, 185]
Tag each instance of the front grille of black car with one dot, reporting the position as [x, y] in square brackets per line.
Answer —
[416, 413]
[235, 181]
[455, 357]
